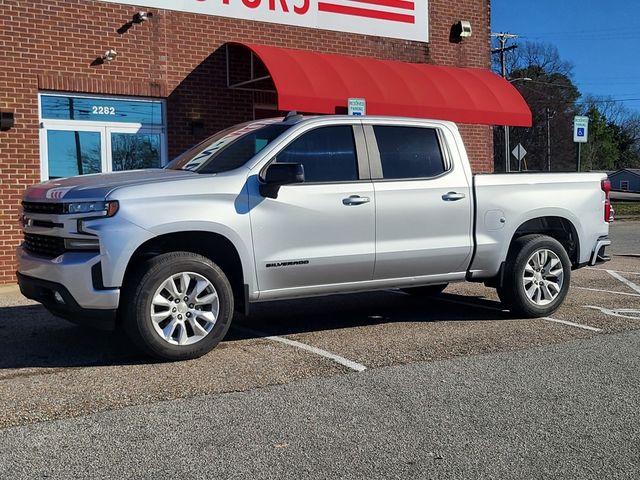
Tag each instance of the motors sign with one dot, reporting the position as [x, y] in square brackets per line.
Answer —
[404, 19]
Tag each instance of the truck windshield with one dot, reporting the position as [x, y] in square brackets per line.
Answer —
[228, 149]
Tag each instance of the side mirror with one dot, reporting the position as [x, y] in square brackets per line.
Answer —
[279, 174]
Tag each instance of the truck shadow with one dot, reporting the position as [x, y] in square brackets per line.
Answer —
[365, 309]
[30, 337]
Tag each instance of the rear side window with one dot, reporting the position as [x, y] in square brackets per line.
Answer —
[409, 152]
[327, 153]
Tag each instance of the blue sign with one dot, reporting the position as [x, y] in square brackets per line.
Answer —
[581, 132]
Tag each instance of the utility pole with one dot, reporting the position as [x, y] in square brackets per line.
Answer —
[503, 38]
[550, 114]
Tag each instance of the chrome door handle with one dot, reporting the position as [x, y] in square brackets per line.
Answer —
[355, 200]
[453, 196]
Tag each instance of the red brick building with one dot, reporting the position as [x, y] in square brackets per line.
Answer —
[170, 76]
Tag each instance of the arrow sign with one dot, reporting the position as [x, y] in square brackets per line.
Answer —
[519, 152]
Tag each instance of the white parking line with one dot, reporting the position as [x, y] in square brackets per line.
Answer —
[571, 324]
[548, 319]
[617, 271]
[628, 283]
[303, 346]
[618, 312]
[608, 291]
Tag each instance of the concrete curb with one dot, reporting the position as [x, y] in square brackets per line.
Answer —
[9, 289]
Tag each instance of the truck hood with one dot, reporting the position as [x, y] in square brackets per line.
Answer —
[98, 186]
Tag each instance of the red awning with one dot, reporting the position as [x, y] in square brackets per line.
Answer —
[321, 83]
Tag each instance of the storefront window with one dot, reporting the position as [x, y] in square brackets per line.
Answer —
[84, 135]
[131, 151]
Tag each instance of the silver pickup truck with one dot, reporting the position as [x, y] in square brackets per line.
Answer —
[279, 209]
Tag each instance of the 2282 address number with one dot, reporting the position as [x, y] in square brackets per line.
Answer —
[98, 110]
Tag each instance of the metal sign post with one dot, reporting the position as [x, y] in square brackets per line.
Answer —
[580, 134]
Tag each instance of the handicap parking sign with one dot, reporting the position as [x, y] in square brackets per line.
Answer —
[580, 129]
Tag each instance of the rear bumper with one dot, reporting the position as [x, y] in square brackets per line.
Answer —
[599, 255]
[64, 305]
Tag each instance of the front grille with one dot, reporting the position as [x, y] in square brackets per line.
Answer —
[44, 245]
[41, 207]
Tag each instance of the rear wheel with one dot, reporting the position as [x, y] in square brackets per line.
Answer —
[178, 306]
[426, 291]
[536, 277]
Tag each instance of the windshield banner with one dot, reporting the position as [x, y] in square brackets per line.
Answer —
[404, 19]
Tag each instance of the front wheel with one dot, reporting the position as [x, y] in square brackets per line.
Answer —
[536, 277]
[178, 306]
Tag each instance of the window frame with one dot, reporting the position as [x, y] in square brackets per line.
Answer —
[92, 125]
[362, 160]
[622, 188]
[376, 160]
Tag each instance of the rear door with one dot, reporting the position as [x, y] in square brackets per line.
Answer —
[321, 232]
[423, 203]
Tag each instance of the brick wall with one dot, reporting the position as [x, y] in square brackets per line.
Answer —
[54, 45]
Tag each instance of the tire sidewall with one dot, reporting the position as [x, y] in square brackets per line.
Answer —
[524, 304]
[158, 271]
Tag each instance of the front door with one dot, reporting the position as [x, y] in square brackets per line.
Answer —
[321, 232]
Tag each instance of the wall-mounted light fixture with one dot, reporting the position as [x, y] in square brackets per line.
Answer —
[463, 29]
[142, 17]
[6, 120]
[110, 55]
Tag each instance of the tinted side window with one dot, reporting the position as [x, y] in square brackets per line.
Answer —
[327, 153]
[409, 152]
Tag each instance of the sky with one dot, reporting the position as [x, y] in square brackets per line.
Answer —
[601, 38]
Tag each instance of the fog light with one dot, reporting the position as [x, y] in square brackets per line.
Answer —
[82, 244]
[58, 297]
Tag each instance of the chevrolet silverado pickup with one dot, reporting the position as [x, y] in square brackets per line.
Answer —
[305, 206]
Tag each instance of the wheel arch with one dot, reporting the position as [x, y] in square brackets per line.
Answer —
[560, 228]
[216, 247]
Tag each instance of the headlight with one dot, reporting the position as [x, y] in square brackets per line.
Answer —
[108, 208]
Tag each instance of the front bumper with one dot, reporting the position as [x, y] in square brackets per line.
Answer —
[75, 272]
[63, 304]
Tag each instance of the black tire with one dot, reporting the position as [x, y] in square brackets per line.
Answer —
[426, 291]
[512, 293]
[136, 305]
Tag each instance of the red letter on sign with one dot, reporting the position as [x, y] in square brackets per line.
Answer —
[283, 4]
[303, 9]
[252, 3]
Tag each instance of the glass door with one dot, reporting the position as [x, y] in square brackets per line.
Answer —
[73, 150]
[134, 148]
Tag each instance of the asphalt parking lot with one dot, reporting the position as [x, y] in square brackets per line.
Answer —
[295, 373]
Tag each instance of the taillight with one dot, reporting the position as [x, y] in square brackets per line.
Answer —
[606, 188]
